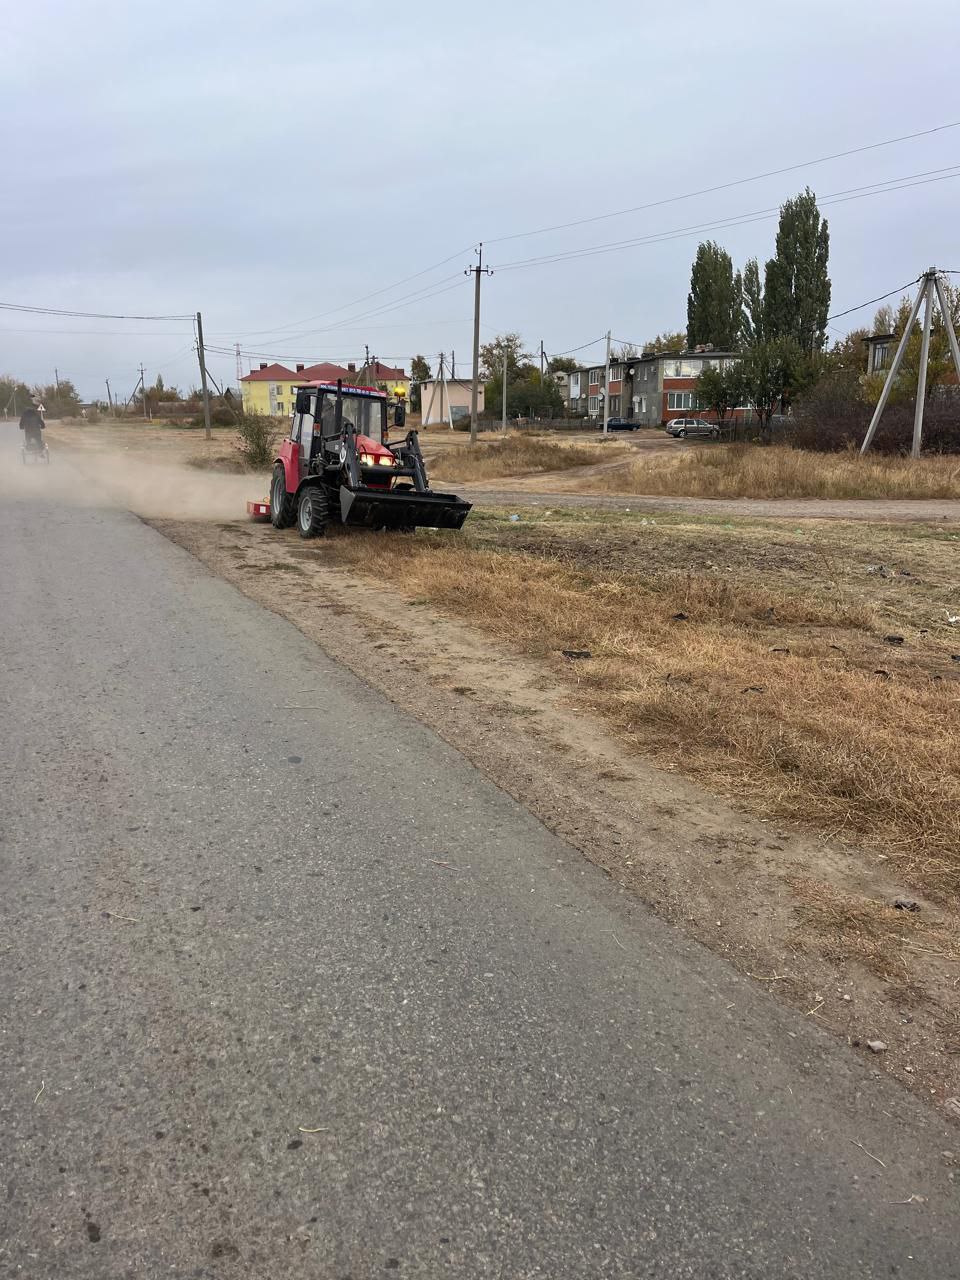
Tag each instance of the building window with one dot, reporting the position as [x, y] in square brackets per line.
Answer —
[614, 406]
[643, 404]
[596, 377]
[593, 404]
[881, 351]
[279, 406]
[679, 399]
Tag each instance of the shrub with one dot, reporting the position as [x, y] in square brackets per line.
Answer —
[828, 420]
[258, 437]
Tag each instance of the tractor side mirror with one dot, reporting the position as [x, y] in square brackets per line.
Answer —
[399, 415]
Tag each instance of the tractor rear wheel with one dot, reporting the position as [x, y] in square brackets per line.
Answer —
[282, 504]
[313, 512]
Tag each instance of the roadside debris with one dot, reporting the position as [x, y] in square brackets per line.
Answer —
[952, 1106]
[575, 654]
[876, 1046]
[682, 617]
[893, 639]
[868, 1153]
[906, 904]
[514, 519]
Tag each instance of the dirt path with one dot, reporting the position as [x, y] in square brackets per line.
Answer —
[721, 875]
[550, 490]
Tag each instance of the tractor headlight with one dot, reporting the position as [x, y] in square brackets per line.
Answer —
[368, 460]
[387, 460]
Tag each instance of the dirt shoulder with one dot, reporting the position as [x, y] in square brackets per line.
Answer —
[803, 912]
[550, 491]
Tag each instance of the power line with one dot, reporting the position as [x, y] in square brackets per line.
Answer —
[737, 220]
[293, 324]
[571, 350]
[99, 333]
[870, 301]
[81, 315]
[725, 186]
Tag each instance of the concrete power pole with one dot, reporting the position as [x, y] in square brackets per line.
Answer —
[143, 393]
[477, 272]
[201, 355]
[931, 288]
[109, 396]
[239, 368]
[606, 391]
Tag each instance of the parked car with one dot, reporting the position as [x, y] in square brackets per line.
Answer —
[619, 424]
[681, 427]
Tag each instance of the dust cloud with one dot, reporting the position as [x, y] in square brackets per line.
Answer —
[148, 486]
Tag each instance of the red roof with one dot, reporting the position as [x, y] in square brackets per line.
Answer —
[272, 373]
[325, 373]
[384, 373]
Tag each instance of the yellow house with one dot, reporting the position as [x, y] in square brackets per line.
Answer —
[271, 389]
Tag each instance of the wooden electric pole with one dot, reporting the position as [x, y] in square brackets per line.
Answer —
[201, 355]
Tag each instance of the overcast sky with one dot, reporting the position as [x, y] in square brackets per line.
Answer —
[270, 164]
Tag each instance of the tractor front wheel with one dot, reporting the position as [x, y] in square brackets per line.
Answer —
[313, 512]
[282, 504]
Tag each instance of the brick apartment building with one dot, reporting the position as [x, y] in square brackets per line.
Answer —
[650, 388]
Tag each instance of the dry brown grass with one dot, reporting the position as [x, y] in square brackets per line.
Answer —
[877, 935]
[518, 454]
[802, 734]
[752, 471]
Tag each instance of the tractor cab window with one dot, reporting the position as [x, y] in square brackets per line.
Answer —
[360, 414]
[364, 415]
[300, 423]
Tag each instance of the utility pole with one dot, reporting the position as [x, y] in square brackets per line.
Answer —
[143, 393]
[503, 409]
[239, 368]
[477, 272]
[56, 378]
[366, 362]
[542, 362]
[930, 288]
[444, 387]
[606, 391]
[453, 363]
[109, 396]
[201, 355]
[424, 417]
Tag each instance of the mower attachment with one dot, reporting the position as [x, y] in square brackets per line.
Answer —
[402, 508]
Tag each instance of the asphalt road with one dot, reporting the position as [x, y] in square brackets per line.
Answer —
[244, 897]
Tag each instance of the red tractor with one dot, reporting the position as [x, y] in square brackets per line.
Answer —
[337, 466]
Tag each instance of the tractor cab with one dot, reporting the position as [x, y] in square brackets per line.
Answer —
[337, 460]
